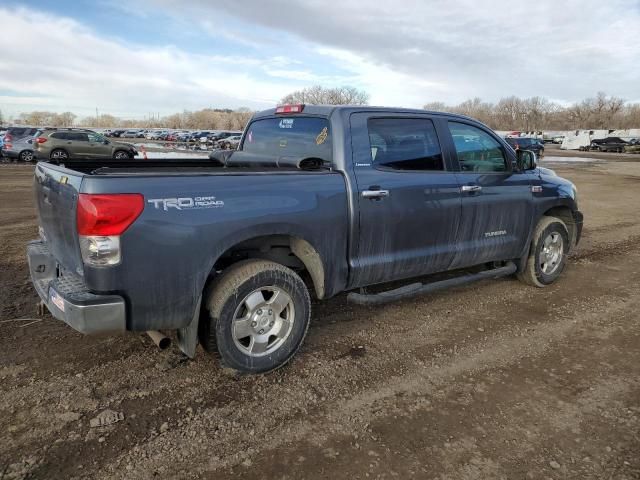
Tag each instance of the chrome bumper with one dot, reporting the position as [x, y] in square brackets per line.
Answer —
[68, 299]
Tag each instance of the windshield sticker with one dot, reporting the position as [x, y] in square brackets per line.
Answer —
[286, 123]
[322, 136]
[250, 136]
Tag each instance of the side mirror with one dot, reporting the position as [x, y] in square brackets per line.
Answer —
[527, 160]
[106, 142]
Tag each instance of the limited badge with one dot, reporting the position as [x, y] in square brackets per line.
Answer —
[322, 136]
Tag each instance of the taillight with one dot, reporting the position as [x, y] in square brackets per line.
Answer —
[8, 137]
[107, 214]
[41, 139]
[101, 219]
[7, 146]
[290, 108]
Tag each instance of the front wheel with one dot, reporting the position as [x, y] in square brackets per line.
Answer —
[259, 313]
[548, 253]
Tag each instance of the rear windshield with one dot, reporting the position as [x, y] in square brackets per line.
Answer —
[289, 136]
[19, 132]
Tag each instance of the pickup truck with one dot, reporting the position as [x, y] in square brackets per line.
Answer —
[316, 200]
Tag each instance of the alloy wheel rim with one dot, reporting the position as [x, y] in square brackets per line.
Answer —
[551, 254]
[263, 321]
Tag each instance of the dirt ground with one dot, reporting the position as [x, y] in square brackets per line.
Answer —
[494, 380]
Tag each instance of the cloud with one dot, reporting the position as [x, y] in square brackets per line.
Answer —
[455, 50]
[226, 54]
[62, 65]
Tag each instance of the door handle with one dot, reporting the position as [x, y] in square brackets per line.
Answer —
[375, 193]
[471, 188]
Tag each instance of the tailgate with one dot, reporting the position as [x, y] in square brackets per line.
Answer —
[56, 190]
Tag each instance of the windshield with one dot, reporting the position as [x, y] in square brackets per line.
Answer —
[287, 136]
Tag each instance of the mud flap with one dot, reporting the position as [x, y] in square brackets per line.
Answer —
[188, 336]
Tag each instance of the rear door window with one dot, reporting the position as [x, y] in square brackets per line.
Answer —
[77, 137]
[21, 132]
[291, 136]
[404, 144]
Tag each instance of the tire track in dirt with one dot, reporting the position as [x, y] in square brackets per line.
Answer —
[342, 417]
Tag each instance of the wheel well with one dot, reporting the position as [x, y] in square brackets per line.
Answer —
[566, 215]
[292, 252]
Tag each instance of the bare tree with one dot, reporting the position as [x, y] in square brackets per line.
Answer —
[319, 95]
[537, 113]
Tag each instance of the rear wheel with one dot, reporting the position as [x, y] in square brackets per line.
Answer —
[26, 156]
[259, 314]
[59, 154]
[548, 253]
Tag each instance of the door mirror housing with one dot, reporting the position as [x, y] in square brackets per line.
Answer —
[106, 142]
[527, 160]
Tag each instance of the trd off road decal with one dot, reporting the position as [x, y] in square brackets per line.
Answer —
[186, 203]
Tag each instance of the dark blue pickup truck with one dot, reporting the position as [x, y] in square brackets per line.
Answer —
[316, 200]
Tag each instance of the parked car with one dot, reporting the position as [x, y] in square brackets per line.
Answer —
[526, 143]
[229, 142]
[558, 139]
[18, 143]
[130, 134]
[62, 144]
[609, 144]
[216, 137]
[117, 133]
[341, 196]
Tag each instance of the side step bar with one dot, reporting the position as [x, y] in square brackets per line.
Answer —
[421, 288]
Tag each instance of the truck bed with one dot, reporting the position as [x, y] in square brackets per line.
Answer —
[169, 166]
[194, 212]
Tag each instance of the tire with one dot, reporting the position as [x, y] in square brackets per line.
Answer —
[59, 154]
[26, 156]
[245, 299]
[121, 155]
[544, 268]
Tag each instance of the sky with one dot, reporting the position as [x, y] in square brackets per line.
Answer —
[155, 57]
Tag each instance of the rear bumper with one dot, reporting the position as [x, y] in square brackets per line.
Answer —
[69, 300]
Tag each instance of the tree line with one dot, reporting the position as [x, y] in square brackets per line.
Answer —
[538, 113]
[205, 119]
[509, 113]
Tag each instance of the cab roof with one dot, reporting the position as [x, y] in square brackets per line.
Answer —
[329, 110]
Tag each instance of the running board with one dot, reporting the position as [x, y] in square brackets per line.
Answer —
[421, 288]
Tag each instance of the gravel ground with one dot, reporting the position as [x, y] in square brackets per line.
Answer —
[493, 380]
